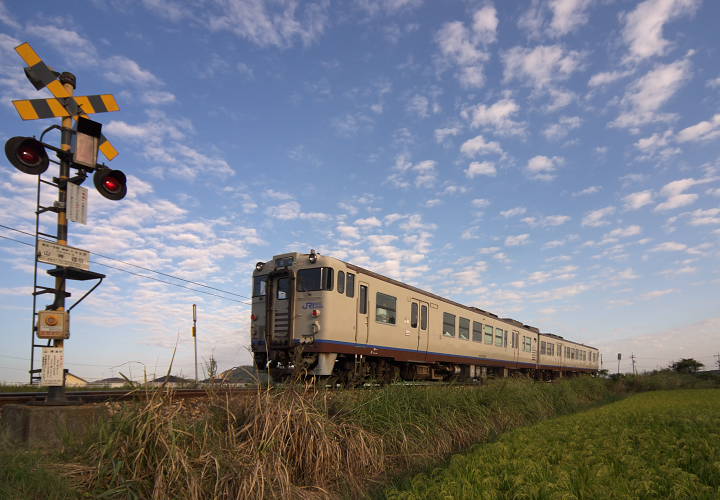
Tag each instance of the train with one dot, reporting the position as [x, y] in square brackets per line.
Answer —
[317, 316]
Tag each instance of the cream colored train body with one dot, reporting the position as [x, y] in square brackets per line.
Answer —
[322, 316]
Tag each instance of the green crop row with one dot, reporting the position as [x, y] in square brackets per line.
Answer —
[663, 444]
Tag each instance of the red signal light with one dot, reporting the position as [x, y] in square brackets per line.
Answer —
[27, 155]
[112, 184]
[315, 313]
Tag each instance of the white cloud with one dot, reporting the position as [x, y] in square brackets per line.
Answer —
[562, 128]
[643, 29]
[273, 24]
[657, 293]
[157, 97]
[543, 168]
[480, 203]
[517, 240]
[702, 217]
[369, 222]
[77, 48]
[637, 200]
[703, 131]
[496, 118]
[422, 174]
[669, 246]
[648, 94]
[480, 168]
[624, 232]
[587, 191]
[606, 78]
[478, 146]
[442, 133]
[421, 106]
[465, 47]
[513, 212]
[568, 15]
[542, 66]
[675, 193]
[121, 69]
[546, 221]
[597, 217]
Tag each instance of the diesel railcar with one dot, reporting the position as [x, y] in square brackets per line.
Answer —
[317, 315]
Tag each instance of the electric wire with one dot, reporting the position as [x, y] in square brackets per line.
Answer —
[144, 269]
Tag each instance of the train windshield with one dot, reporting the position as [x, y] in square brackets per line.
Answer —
[259, 286]
[319, 278]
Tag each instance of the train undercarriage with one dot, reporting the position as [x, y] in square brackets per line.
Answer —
[355, 370]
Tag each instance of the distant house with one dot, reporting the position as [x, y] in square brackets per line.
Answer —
[74, 381]
[110, 382]
[170, 381]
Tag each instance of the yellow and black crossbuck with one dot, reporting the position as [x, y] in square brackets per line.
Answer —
[64, 104]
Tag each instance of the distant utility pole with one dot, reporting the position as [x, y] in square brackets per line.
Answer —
[619, 358]
[632, 356]
[717, 356]
[194, 334]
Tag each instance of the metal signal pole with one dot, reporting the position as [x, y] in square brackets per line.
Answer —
[194, 334]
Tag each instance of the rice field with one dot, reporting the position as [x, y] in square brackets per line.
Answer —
[660, 444]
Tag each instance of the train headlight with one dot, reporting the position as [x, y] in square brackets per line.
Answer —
[312, 257]
[253, 317]
[259, 266]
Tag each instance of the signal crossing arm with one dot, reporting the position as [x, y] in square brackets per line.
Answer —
[34, 109]
[41, 76]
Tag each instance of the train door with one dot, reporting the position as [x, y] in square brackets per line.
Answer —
[362, 322]
[281, 310]
[515, 347]
[419, 323]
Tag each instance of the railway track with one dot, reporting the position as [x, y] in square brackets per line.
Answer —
[116, 395]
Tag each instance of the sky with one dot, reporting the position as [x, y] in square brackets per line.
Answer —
[552, 161]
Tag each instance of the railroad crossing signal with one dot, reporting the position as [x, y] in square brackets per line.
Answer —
[79, 149]
[65, 104]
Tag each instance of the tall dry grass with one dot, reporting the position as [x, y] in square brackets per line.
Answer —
[269, 445]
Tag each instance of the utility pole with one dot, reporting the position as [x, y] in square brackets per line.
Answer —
[717, 357]
[632, 356]
[194, 334]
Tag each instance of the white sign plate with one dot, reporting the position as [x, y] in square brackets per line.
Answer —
[60, 255]
[53, 364]
[77, 203]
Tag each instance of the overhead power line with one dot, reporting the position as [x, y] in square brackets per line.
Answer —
[144, 269]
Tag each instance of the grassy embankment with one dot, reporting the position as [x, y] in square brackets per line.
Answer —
[663, 444]
[299, 443]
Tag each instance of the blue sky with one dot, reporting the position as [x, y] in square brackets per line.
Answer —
[553, 161]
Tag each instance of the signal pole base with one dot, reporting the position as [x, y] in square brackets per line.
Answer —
[49, 427]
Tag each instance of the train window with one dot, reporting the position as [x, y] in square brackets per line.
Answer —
[550, 349]
[448, 325]
[499, 337]
[318, 278]
[505, 338]
[413, 315]
[283, 288]
[477, 332]
[559, 350]
[423, 317]
[363, 307]
[259, 286]
[464, 332]
[350, 285]
[542, 347]
[527, 344]
[488, 334]
[385, 308]
[515, 340]
[341, 282]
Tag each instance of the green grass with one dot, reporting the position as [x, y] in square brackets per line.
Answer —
[23, 476]
[663, 444]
